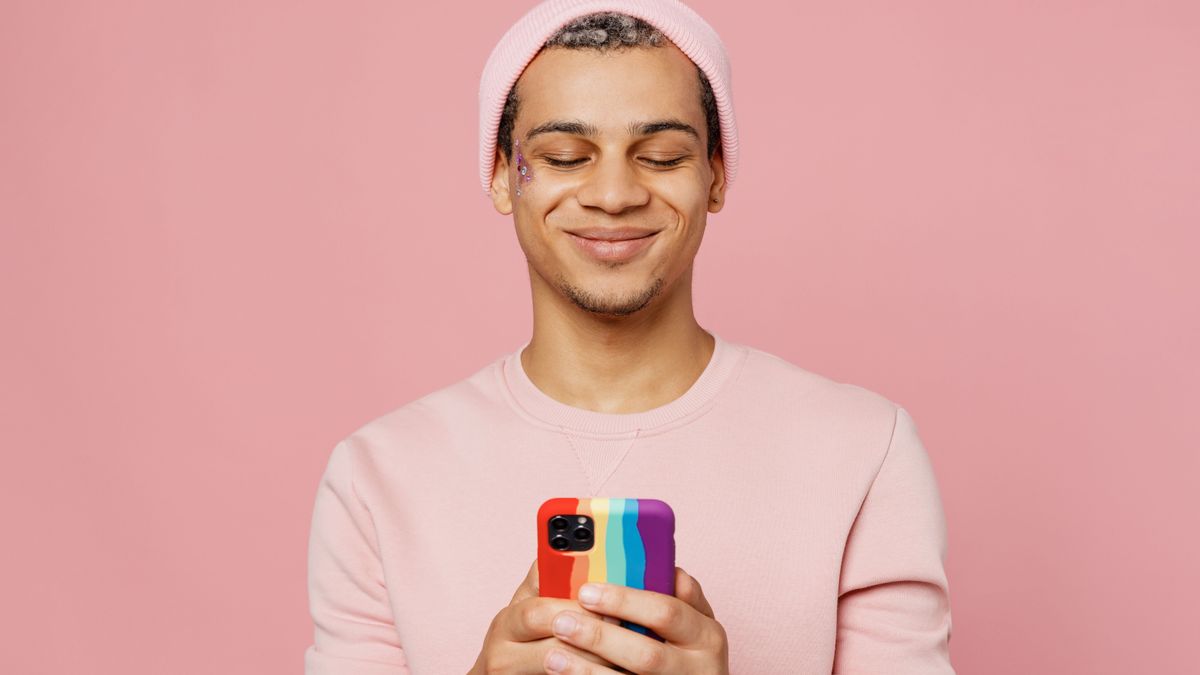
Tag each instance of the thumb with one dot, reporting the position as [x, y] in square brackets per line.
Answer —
[529, 585]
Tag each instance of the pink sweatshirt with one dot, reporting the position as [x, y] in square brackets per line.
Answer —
[807, 509]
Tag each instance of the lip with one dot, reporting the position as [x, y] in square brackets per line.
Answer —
[619, 250]
[611, 233]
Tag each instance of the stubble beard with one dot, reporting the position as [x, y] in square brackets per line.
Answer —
[608, 305]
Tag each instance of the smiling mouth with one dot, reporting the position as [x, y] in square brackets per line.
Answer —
[612, 240]
[612, 234]
[612, 250]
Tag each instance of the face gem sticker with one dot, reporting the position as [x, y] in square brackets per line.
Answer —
[524, 174]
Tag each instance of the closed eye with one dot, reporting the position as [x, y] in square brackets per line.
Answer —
[576, 162]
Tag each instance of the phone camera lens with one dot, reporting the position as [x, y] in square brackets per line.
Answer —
[559, 543]
[559, 523]
[583, 534]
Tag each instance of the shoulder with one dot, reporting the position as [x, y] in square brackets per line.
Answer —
[810, 397]
[847, 429]
[431, 419]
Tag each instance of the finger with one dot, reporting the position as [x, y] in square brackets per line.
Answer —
[688, 590]
[530, 657]
[553, 643]
[529, 585]
[621, 646]
[673, 619]
[562, 662]
[530, 619]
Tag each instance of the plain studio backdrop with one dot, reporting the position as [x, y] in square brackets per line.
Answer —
[233, 232]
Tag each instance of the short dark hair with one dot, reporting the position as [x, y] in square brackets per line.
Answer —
[604, 31]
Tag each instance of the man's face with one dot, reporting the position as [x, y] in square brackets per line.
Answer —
[582, 159]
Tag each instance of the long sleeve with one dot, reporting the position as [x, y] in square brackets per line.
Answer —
[354, 631]
[893, 598]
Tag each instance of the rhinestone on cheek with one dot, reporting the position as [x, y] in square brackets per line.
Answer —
[522, 167]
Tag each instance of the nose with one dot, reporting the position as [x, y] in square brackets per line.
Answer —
[613, 185]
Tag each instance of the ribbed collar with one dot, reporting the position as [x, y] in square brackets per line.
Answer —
[539, 407]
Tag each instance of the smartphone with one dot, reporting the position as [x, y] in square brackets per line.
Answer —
[605, 539]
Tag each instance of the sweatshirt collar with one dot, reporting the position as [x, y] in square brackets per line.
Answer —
[540, 408]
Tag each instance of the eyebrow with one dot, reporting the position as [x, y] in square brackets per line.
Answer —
[580, 128]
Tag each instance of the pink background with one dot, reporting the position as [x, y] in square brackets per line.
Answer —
[235, 231]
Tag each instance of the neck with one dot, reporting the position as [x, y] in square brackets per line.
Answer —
[610, 364]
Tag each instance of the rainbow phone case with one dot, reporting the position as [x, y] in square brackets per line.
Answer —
[633, 545]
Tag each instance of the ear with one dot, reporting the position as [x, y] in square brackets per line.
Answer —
[716, 194]
[501, 199]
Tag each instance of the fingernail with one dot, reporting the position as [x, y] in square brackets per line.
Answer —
[589, 594]
[556, 662]
[564, 624]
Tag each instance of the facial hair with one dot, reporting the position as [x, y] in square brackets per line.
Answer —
[608, 305]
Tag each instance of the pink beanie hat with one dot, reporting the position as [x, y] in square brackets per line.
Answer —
[680, 23]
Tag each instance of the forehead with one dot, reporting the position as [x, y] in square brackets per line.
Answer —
[609, 88]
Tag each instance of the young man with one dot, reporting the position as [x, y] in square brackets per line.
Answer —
[808, 508]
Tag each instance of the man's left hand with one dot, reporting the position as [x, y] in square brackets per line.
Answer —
[695, 642]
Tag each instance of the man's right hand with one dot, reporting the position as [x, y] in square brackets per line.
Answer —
[520, 636]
